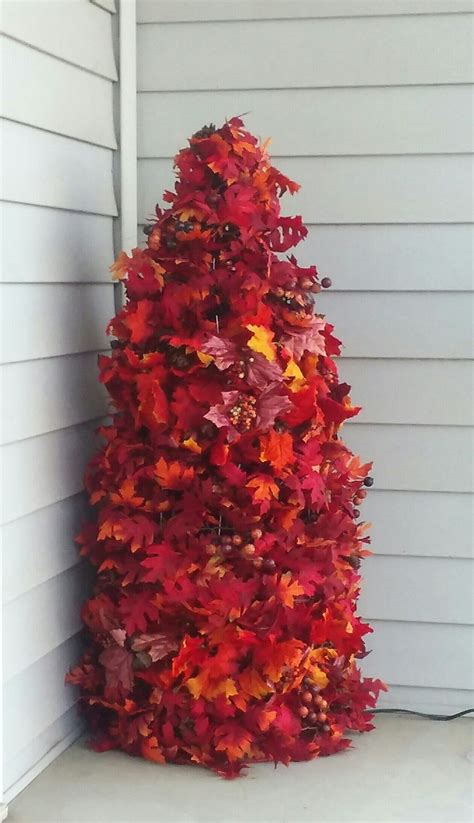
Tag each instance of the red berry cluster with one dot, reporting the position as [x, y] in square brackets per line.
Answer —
[313, 706]
[243, 413]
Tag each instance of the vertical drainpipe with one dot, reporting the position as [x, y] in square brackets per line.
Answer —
[127, 130]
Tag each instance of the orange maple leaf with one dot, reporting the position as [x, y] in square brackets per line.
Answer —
[277, 449]
[126, 494]
[151, 750]
[235, 740]
[109, 528]
[289, 589]
[204, 685]
[265, 718]
[264, 487]
[253, 683]
[169, 475]
[120, 267]
[273, 656]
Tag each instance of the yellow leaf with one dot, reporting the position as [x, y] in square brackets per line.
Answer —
[204, 358]
[191, 444]
[186, 214]
[318, 676]
[262, 341]
[294, 373]
[253, 683]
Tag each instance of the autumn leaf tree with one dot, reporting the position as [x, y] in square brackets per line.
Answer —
[227, 536]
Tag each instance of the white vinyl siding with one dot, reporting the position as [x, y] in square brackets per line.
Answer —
[57, 215]
[368, 106]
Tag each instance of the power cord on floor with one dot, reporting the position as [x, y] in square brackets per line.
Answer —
[423, 714]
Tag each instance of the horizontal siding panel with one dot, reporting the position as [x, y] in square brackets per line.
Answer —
[420, 699]
[430, 392]
[43, 470]
[433, 655]
[83, 36]
[63, 246]
[41, 752]
[56, 171]
[400, 325]
[42, 619]
[417, 589]
[427, 524]
[344, 52]
[416, 458]
[38, 697]
[392, 257]
[43, 395]
[410, 189]
[59, 319]
[162, 11]
[41, 545]
[401, 120]
[70, 97]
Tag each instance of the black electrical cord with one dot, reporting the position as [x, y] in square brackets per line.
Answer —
[423, 714]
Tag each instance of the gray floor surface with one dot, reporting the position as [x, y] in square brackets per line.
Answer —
[408, 769]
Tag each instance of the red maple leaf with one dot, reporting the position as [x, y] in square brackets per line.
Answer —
[117, 663]
[137, 610]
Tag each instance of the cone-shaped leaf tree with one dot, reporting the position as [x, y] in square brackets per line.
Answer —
[227, 539]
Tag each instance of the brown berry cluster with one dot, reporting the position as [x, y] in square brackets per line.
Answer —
[240, 546]
[243, 413]
[361, 494]
[313, 706]
[231, 545]
[265, 564]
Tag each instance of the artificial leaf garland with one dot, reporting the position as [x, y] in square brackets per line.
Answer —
[227, 537]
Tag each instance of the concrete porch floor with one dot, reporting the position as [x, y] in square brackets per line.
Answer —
[407, 769]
